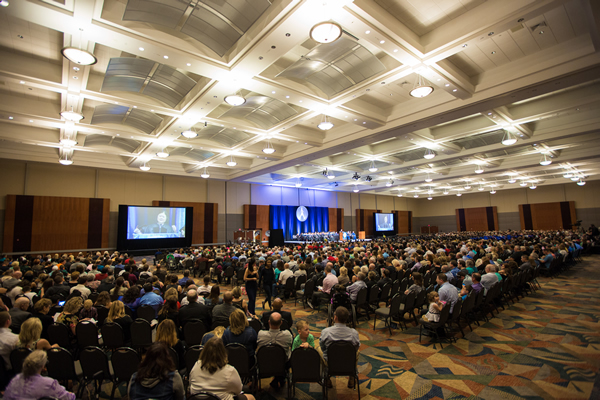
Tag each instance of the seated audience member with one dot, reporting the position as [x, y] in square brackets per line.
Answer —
[238, 300]
[416, 287]
[58, 288]
[476, 285]
[217, 332]
[41, 310]
[30, 384]
[304, 338]
[240, 332]
[339, 331]
[151, 299]
[356, 286]
[117, 314]
[29, 337]
[103, 300]
[276, 336]
[120, 287]
[157, 376]
[132, 297]
[88, 310]
[322, 294]
[277, 307]
[489, 278]
[195, 310]
[343, 279]
[211, 373]
[204, 290]
[213, 298]
[221, 312]
[167, 334]
[19, 314]
[8, 340]
[69, 314]
[447, 292]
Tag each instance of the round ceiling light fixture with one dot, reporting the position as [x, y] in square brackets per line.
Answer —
[144, 167]
[428, 179]
[78, 56]
[67, 159]
[523, 184]
[268, 149]
[231, 162]
[372, 168]
[508, 138]
[162, 154]
[325, 124]
[493, 191]
[581, 182]
[205, 174]
[512, 180]
[189, 133]
[568, 175]
[355, 190]
[298, 183]
[4, 3]
[389, 183]
[71, 115]
[533, 186]
[421, 87]
[429, 154]
[459, 194]
[545, 160]
[326, 32]
[235, 100]
[479, 170]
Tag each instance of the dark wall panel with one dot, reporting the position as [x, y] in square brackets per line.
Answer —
[206, 219]
[548, 216]
[45, 223]
[477, 219]
[364, 221]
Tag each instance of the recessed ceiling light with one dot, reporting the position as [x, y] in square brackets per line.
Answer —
[367, 32]
[76, 68]
[455, 90]
[395, 50]
[141, 49]
[382, 41]
[22, 82]
[235, 100]
[493, 52]
[447, 84]
[287, 97]
[11, 117]
[166, 57]
[189, 64]
[4, 3]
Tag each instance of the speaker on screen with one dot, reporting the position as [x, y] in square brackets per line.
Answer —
[276, 238]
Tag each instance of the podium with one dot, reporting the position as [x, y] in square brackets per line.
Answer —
[361, 235]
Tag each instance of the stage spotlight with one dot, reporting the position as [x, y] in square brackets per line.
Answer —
[368, 178]
[356, 176]
[335, 184]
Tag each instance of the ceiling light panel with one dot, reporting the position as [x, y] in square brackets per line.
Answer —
[334, 67]
[166, 84]
[265, 112]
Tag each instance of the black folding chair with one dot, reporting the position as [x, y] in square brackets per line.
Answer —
[125, 362]
[204, 396]
[193, 331]
[191, 356]
[305, 295]
[61, 366]
[341, 361]
[306, 368]
[146, 312]
[237, 355]
[112, 335]
[434, 328]
[102, 314]
[256, 324]
[271, 361]
[389, 313]
[94, 364]
[17, 356]
[141, 334]
[87, 334]
[60, 334]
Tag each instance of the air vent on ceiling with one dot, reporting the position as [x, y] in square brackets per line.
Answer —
[538, 27]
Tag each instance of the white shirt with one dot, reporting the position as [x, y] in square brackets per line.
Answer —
[225, 382]
[284, 275]
[8, 341]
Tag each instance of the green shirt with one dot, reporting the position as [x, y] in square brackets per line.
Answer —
[297, 341]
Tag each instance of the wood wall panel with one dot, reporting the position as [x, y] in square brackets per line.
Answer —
[256, 217]
[206, 219]
[45, 223]
[336, 219]
[364, 221]
[404, 221]
[477, 219]
[548, 216]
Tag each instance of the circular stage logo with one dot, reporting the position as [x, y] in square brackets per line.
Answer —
[301, 213]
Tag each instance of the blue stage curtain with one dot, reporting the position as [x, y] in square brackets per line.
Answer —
[284, 217]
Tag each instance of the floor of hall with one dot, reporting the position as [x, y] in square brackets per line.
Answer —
[546, 346]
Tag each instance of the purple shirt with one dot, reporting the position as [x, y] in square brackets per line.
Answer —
[35, 387]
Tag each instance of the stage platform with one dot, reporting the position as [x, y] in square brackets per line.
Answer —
[337, 241]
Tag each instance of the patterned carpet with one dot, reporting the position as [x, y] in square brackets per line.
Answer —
[546, 346]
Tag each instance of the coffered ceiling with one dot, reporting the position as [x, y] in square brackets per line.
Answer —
[530, 69]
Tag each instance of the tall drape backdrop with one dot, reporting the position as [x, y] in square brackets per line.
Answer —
[284, 217]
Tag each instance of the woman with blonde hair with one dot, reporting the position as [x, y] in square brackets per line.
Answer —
[211, 373]
[69, 314]
[29, 337]
[30, 384]
[240, 332]
[117, 314]
[238, 300]
[167, 333]
[343, 278]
